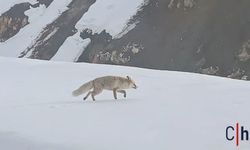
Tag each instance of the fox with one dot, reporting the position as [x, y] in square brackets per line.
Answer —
[113, 83]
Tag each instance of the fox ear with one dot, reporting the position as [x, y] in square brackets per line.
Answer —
[128, 77]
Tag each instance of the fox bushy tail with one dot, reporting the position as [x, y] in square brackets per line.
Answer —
[83, 89]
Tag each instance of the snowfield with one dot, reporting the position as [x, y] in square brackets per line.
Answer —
[169, 111]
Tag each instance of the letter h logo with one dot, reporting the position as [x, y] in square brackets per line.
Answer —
[232, 133]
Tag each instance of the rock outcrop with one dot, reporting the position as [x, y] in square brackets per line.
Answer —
[209, 37]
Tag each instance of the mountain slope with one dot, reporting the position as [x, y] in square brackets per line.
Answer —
[37, 110]
[208, 37]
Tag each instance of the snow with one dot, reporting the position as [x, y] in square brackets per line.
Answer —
[169, 110]
[71, 49]
[39, 18]
[126, 29]
[111, 15]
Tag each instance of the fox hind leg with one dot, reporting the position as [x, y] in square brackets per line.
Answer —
[123, 92]
[87, 95]
[95, 92]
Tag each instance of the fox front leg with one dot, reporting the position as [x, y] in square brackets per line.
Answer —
[114, 93]
[123, 92]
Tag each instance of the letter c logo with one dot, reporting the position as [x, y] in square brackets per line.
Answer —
[229, 127]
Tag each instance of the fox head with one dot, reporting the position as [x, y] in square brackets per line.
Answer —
[131, 83]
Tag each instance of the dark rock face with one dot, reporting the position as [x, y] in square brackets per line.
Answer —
[210, 37]
[98, 43]
[14, 19]
[54, 35]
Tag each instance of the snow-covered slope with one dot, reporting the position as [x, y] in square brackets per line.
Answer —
[110, 15]
[169, 110]
[38, 19]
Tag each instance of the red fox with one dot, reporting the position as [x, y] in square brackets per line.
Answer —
[114, 83]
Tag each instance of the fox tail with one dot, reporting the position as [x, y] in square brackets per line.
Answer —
[83, 89]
